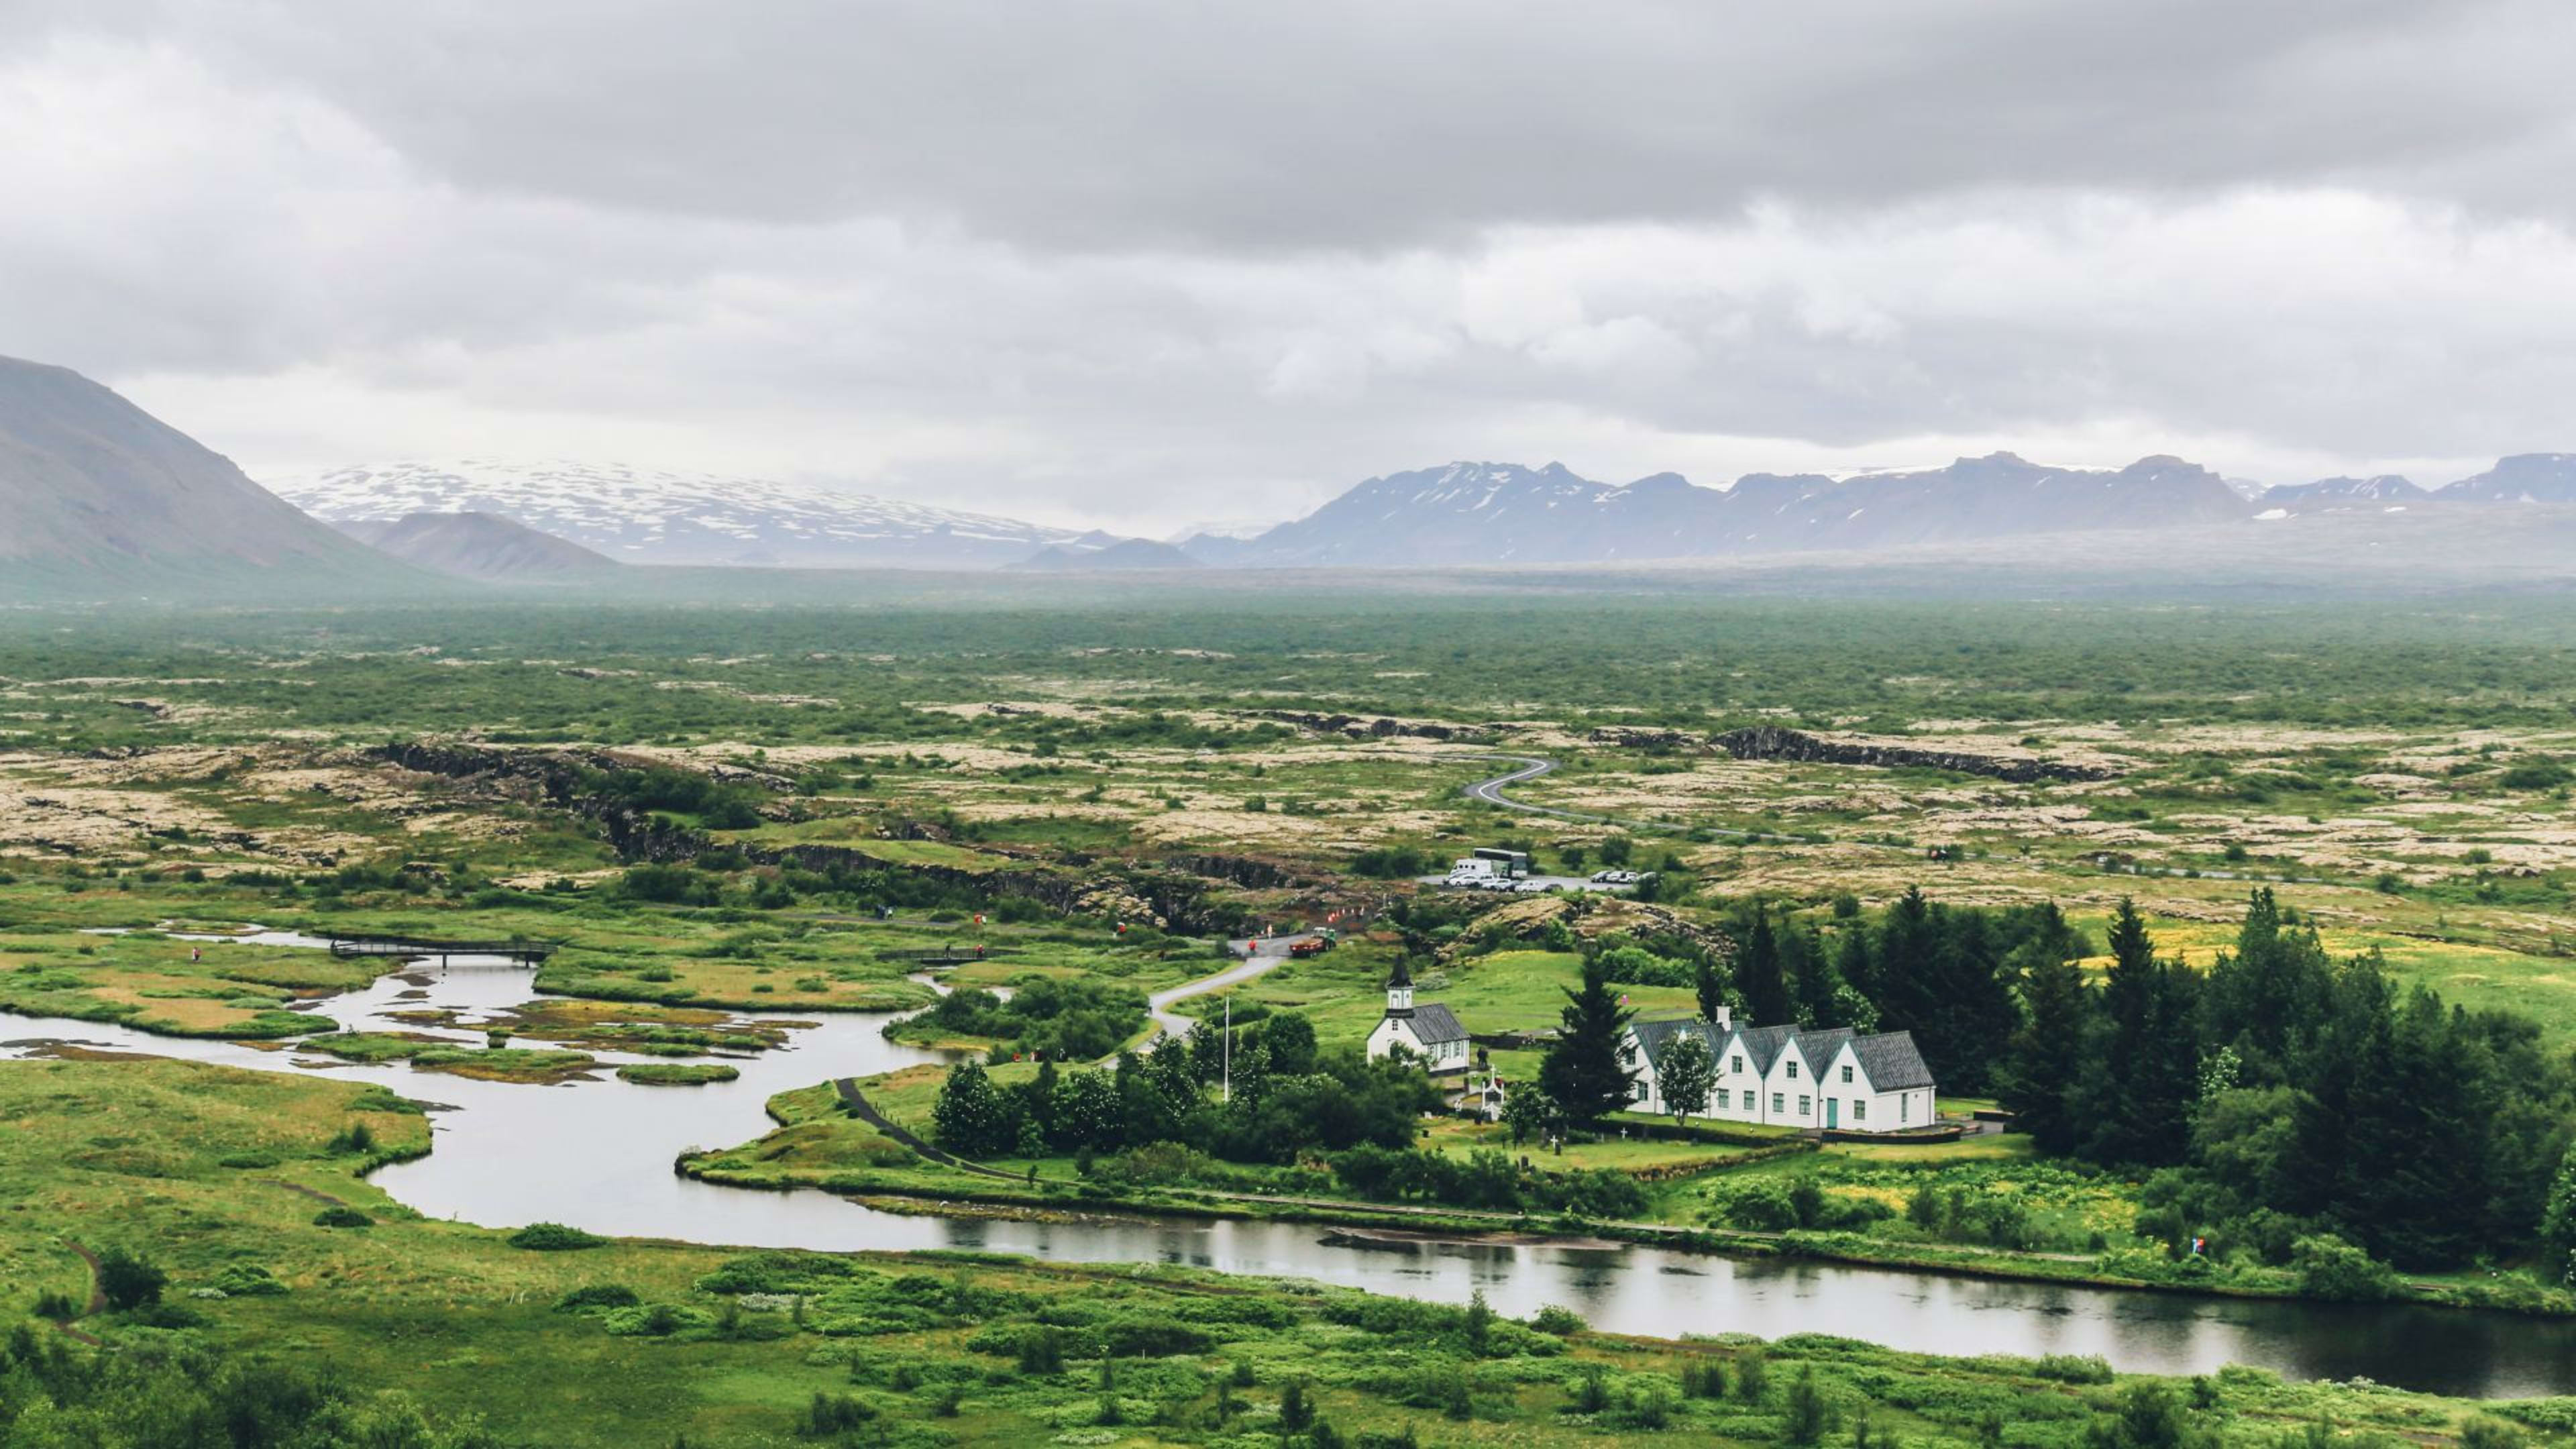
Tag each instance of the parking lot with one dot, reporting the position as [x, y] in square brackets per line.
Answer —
[1535, 883]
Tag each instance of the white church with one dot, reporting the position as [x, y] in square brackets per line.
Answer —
[1429, 1033]
[1833, 1079]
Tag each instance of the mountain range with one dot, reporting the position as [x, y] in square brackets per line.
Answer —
[643, 515]
[1485, 513]
[95, 494]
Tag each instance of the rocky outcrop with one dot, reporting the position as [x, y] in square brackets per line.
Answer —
[1361, 728]
[1771, 742]
[1629, 737]
[1245, 871]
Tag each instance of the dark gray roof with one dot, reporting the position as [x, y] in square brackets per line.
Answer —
[1891, 1061]
[1432, 1022]
[1816, 1048]
[1889, 1058]
[1653, 1037]
[1762, 1045]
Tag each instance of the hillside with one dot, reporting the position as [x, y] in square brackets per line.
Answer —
[99, 497]
[481, 546]
[639, 515]
[1125, 554]
[1488, 513]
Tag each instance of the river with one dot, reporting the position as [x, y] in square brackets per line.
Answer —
[597, 1154]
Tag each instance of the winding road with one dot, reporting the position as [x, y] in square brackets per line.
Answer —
[1267, 954]
[1490, 792]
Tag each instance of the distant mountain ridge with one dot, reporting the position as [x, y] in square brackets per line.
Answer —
[482, 546]
[1126, 554]
[640, 515]
[2519, 478]
[1487, 513]
[2385, 490]
[96, 495]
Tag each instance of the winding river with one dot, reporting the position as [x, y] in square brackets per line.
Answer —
[598, 1154]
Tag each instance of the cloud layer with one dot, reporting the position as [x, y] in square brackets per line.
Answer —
[1142, 262]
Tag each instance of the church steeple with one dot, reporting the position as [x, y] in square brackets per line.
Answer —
[1399, 991]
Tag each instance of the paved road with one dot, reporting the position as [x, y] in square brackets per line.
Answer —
[1268, 954]
[1532, 767]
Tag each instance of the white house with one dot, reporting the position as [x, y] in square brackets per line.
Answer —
[1428, 1033]
[1790, 1076]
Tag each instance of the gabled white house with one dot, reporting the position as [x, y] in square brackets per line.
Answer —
[1788, 1076]
[1429, 1033]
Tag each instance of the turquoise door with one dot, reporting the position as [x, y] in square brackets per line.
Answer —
[1833, 1113]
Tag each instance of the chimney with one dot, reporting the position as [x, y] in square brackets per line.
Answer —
[1725, 1018]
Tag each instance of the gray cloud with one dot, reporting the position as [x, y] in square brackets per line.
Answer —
[1151, 260]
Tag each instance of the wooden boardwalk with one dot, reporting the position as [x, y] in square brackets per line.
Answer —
[524, 953]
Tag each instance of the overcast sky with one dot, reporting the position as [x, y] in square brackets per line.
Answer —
[1162, 261]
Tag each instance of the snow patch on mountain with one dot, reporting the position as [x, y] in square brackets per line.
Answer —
[644, 515]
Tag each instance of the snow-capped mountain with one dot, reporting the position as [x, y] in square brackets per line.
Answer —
[1503, 513]
[642, 515]
[2387, 490]
[2520, 478]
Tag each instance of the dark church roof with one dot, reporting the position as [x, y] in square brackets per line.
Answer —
[1433, 1023]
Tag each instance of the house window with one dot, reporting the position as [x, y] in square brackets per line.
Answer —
[1739, 1064]
[1721, 1099]
[1802, 1106]
[1645, 1089]
[1775, 1103]
[1846, 1074]
[1793, 1071]
[1905, 1106]
[1860, 1109]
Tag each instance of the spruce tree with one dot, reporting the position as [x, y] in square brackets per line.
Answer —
[1758, 974]
[1908, 939]
[2144, 1073]
[1583, 1073]
[1709, 983]
[1854, 963]
[2044, 1065]
[1812, 979]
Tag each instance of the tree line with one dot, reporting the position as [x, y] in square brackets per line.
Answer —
[2284, 1095]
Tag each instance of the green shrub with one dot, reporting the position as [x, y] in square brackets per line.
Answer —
[2330, 1268]
[248, 1280]
[659, 1320]
[337, 1216]
[1558, 1321]
[597, 1295]
[554, 1238]
[128, 1281]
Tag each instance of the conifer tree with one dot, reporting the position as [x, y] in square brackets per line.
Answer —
[2044, 1065]
[1758, 973]
[1582, 1072]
